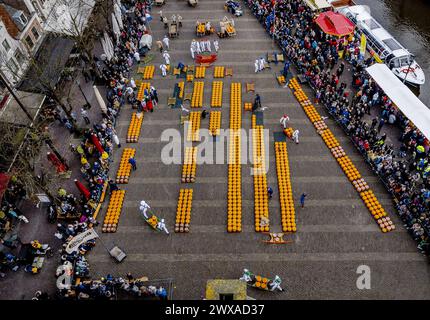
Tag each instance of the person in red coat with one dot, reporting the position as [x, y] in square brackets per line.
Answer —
[149, 105]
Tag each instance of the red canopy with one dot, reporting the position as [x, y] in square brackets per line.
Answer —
[96, 143]
[84, 191]
[4, 181]
[335, 24]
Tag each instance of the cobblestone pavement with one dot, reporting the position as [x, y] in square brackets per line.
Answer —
[336, 233]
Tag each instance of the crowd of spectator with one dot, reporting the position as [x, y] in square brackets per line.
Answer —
[322, 59]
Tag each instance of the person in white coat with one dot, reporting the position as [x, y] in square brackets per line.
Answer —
[216, 45]
[296, 136]
[161, 225]
[193, 48]
[184, 109]
[202, 45]
[166, 42]
[284, 121]
[208, 45]
[144, 208]
[133, 84]
[198, 48]
[163, 68]
[257, 66]
[166, 57]
[261, 63]
[115, 139]
[137, 57]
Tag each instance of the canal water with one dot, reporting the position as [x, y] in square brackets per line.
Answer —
[409, 22]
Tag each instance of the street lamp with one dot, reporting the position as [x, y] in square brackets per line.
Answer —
[88, 104]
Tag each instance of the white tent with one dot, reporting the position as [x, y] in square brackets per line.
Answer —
[146, 41]
[106, 49]
[115, 27]
[118, 16]
[100, 100]
[109, 45]
[402, 97]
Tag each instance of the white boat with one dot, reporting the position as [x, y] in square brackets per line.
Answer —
[401, 62]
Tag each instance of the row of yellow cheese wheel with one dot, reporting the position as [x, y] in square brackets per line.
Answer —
[247, 106]
[183, 211]
[197, 98]
[234, 195]
[215, 123]
[189, 165]
[124, 169]
[111, 220]
[148, 72]
[288, 214]
[193, 131]
[261, 199]
[141, 91]
[216, 99]
[219, 72]
[200, 72]
[134, 127]
[384, 222]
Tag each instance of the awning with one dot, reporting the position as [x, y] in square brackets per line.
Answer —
[50, 61]
[317, 5]
[4, 181]
[335, 24]
[402, 97]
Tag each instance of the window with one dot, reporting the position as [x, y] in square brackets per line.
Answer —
[372, 24]
[38, 6]
[392, 44]
[23, 19]
[6, 45]
[395, 63]
[19, 56]
[13, 66]
[35, 33]
[406, 61]
[29, 42]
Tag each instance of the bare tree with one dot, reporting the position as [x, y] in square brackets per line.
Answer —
[42, 77]
[104, 9]
[20, 147]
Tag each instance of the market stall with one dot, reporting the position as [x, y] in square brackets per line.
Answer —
[407, 102]
[335, 24]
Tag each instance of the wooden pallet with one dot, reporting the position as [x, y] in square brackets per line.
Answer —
[250, 87]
